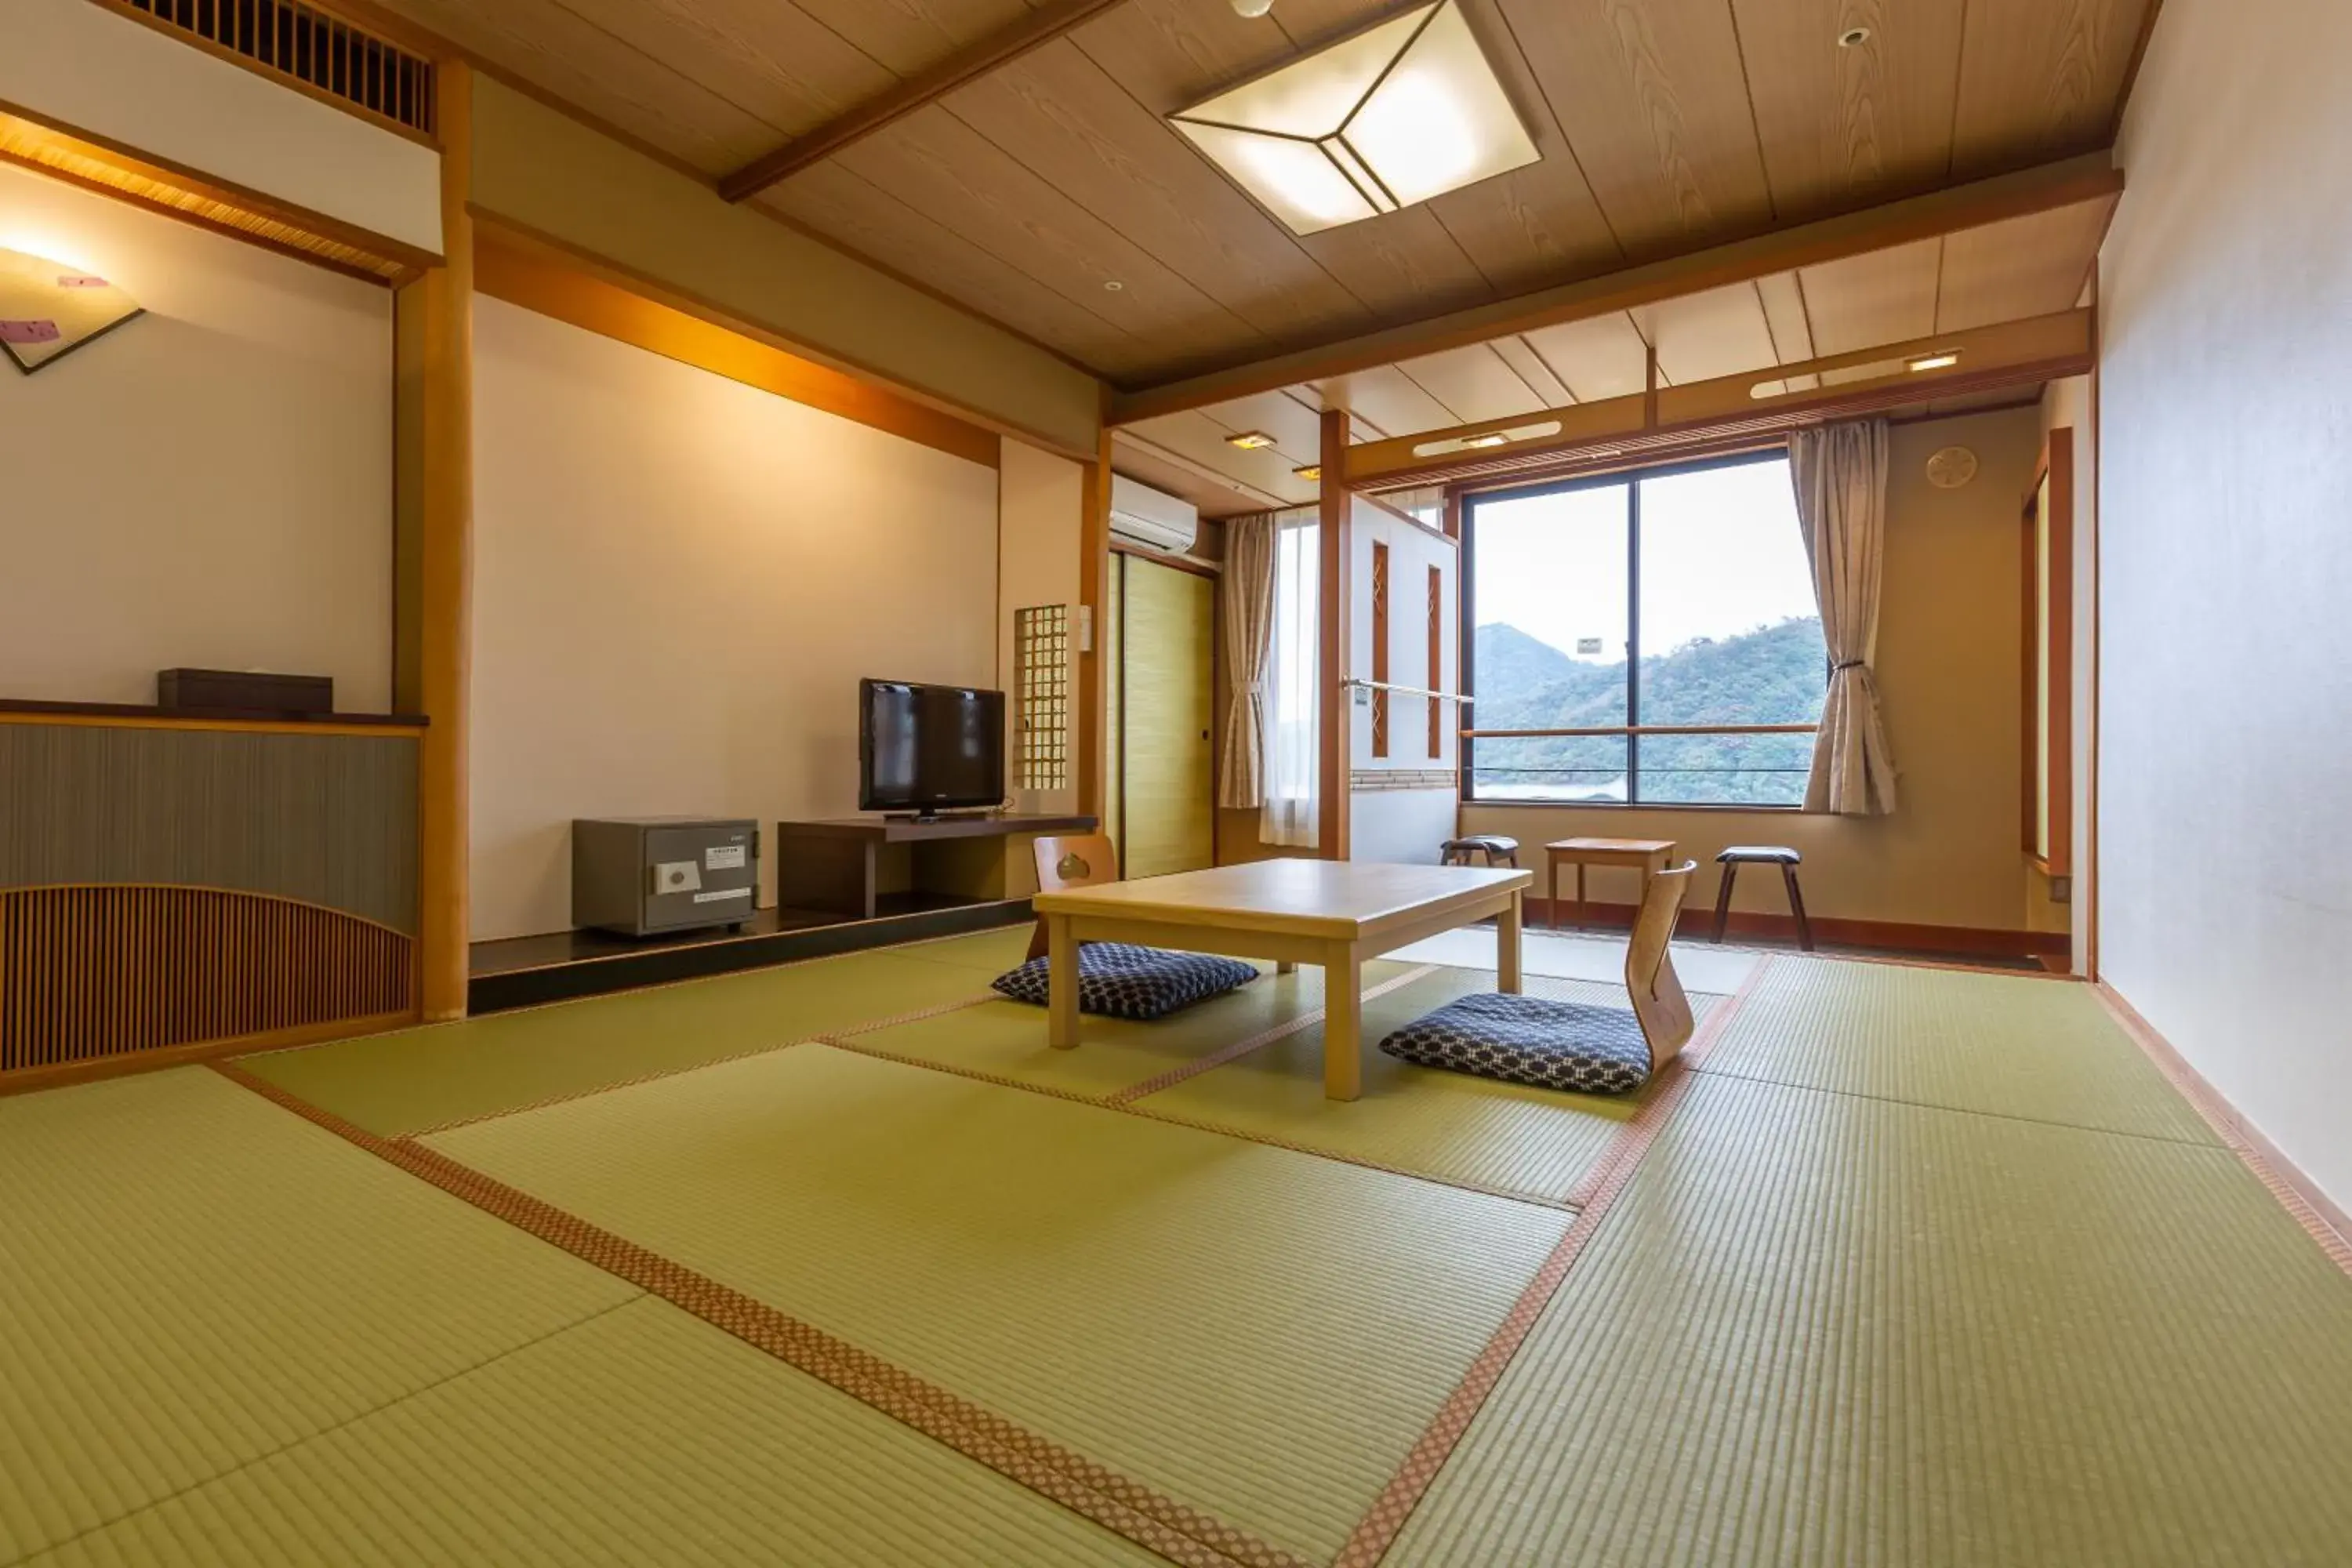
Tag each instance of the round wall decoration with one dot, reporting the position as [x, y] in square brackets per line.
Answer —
[1951, 468]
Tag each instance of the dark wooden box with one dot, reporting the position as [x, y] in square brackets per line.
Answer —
[242, 691]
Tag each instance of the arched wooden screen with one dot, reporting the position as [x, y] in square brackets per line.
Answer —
[92, 972]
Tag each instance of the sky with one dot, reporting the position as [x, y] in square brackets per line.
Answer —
[1721, 555]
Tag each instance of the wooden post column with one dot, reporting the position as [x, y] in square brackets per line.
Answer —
[1094, 597]
[444, 613]
[1333, 762]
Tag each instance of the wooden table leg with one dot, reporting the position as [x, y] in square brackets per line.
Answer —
[1551, 890]
[1507, 945]
[1061, 982]
[1343, 1023]
[1583, 914]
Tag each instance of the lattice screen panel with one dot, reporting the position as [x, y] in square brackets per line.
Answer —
[1041, 664]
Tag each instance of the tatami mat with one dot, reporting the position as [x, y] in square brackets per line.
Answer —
[643, 1437]
[988, 954]
[1256, 1333]
[1006, 1039]
[1528, 1142]
[1599, 959]
[191, 1278]
[403, 1082]
[1819, 1329]
[2006, 1046]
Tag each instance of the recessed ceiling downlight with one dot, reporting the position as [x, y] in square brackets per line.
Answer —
[1854, 37]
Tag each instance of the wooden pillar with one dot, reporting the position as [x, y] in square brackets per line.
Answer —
[443, 619]
[1094, 598]
[1333, 712]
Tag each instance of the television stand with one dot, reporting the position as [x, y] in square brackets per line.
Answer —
[847, 866]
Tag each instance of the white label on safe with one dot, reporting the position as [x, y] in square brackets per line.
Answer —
[723, 858]
[722, 895]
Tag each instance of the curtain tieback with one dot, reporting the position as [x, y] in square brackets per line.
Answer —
[1851, 664]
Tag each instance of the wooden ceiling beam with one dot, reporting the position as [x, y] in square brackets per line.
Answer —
[2091, 177]
[1031, 29]
[2040, 349]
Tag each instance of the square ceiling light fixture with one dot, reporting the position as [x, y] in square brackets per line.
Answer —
[1407, 110]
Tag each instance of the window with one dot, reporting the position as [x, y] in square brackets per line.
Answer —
[1292, 739]
[1637, 609]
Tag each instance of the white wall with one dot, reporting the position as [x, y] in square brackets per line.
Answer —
[2226, 415]
[678, 581]
[208, 485]
[1402, 824]
[1041, 501]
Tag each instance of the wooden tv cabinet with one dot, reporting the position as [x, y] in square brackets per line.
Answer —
[851, 866]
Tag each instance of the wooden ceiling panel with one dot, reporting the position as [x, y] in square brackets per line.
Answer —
[1653, 98]
[774, 61]
[1294, 427]
[1701, 336]
[1387, 399]
[2041, 77]
[1603, 357]
[1784, 314]
[1844, 127]
[1059, 114]
[1198, 439]
[2027, 267]
[1474, 383]
[1884, 297]
[575, 62]
[844, 208]
[1521, 356]
[905, 36]
[939, 166]
[1401, 264]
[1214, 493]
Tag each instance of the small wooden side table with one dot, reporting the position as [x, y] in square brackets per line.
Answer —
[1647, 856]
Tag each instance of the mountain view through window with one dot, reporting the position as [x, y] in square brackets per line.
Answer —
[1678, 597]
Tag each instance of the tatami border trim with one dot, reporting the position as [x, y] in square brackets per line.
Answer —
[1176, 1531]
[1379, 1528]
[2298, 1194]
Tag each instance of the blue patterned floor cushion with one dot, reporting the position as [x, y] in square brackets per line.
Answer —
[1139, 982]
[1531, 1040]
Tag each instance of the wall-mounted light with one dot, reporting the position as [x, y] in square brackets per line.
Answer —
[1407, 110]
[1937, 362]
[1250, 440]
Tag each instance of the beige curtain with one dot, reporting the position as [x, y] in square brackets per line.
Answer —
[1840, 478]
[1248, 587]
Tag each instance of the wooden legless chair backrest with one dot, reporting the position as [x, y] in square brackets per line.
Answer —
[1659, 1003]
[1073, 861]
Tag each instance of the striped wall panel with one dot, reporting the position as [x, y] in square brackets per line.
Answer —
[320, 819]
[88, 972]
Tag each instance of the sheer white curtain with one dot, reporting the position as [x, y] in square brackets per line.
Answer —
[1839, 474]
[1288, 814]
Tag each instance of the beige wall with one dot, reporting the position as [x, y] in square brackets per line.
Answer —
[208, 485]
[1948, 667]
[1041, 503]
[2225, 803]
[548, 173]
[678, 581]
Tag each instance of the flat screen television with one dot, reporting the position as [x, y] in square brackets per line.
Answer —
[928, 749]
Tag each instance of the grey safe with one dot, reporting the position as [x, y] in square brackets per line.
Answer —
[640, 876]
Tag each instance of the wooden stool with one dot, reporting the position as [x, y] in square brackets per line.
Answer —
[1500, 850]
[1740, 854]
[1647, 856]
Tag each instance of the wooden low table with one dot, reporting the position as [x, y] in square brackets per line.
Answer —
[1647, 856]
[1335, 913]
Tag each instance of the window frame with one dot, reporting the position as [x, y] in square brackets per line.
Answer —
[1632, 478]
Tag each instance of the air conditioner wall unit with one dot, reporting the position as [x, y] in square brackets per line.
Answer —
[1141, 515]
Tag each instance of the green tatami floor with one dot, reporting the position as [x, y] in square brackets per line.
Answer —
[1911, 1267]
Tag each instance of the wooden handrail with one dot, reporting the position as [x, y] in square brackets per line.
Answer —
[1607, 730]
